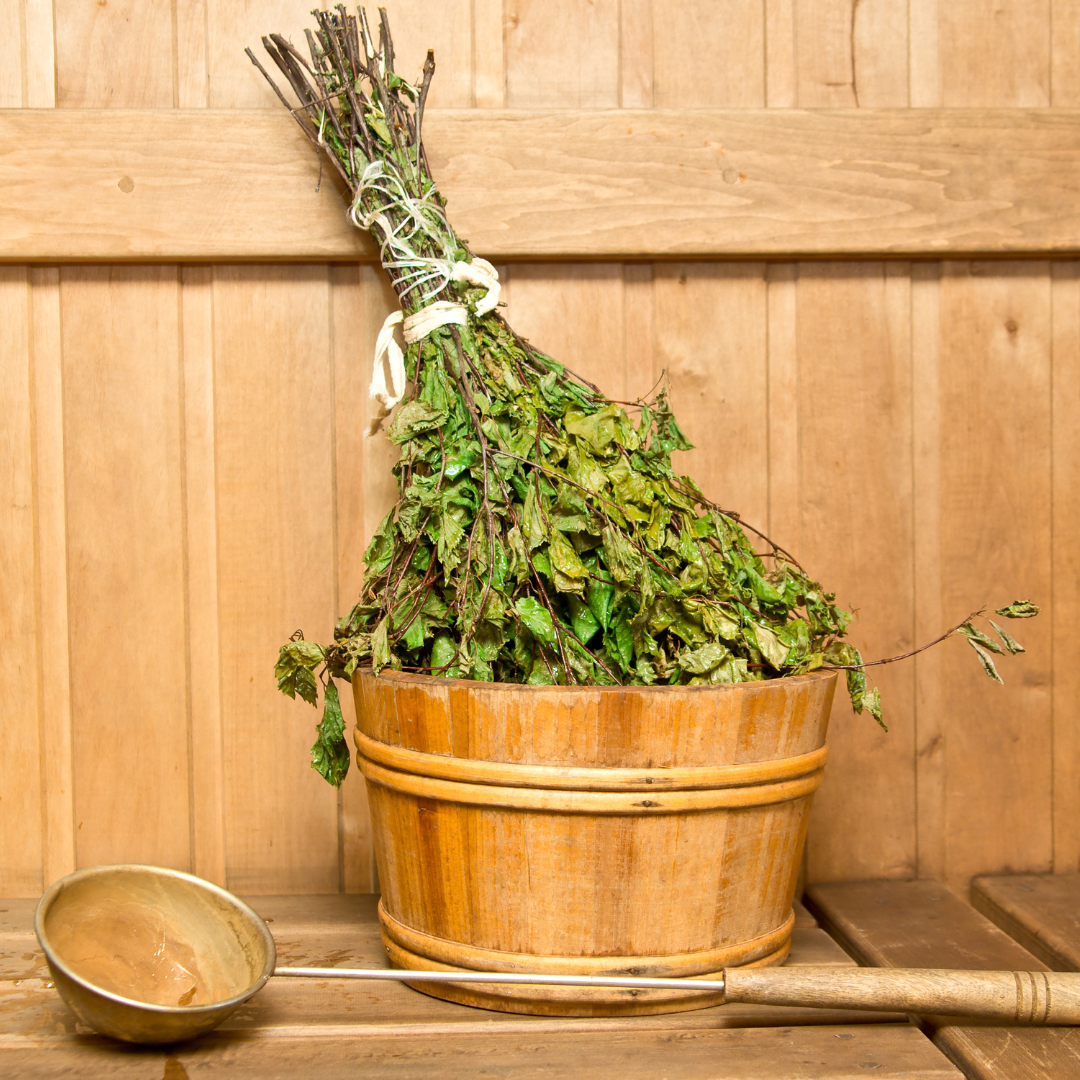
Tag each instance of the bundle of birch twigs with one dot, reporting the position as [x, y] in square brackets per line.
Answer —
[540, 533]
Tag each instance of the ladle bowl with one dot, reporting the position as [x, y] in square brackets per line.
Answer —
[151, 955]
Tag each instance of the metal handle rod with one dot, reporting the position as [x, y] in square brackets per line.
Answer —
[398, 975]
[1023, 997]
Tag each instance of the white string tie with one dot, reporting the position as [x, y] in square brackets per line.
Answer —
[441, 313]
[482, 274]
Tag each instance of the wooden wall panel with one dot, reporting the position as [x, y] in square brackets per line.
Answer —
[561, 54]
[855, 533]
[54, 642]
[1065, 568]
[995, 51]
[360, 302]
[275, 513]
[233, 82]
[11, 57]
[201, 572]
[709, 55]
[125, 564]
[20, 769]
[574, 313]
[191, 443]
[995, 537]
[930, 613]
[118, 54]
[709, 341]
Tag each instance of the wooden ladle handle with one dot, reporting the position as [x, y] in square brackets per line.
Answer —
[1024, 997]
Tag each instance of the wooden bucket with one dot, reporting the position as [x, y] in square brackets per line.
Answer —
[651, 831]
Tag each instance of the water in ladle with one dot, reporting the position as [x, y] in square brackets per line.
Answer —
[126, 948]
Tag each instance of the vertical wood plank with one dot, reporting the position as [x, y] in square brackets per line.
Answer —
[924, 74]
[930, 666]
[12, 60]
[40, 54]
[351, 376]
[783, 405]
[880, 54]
[639, 342]
[233, 82]
[825, 65]
[710, 332]
[115, 55]
[273, 413]
[995, 53]
[780, 91]
[924, 47]
[1065, 53]
[1065, 614]
[376, 301]
[855, 534]
[203, 647]
[21, 814]
[126, 564]
[54, 661]
[489, 60]
[562, 54]
[995, 538]
[709, 55]
[192, 77]
[636, 54]
[575, 314]
[446, 27]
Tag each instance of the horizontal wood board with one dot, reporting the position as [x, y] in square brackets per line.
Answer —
[194, 185]
[892, 1051]
[924, 924]
[392, 1030]
[338, 931]
[1040, 911]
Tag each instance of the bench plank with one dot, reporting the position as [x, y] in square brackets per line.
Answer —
[1041, 911]
[923, 924]
[334, 931]
[893, 1051]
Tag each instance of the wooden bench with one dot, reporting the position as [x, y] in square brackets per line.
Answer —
[923, 924]
[324, 1030]
[1041, 911]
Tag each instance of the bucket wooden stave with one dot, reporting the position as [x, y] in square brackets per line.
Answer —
[639, 830]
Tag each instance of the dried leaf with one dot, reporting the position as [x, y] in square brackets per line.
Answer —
[976, 636]
[1010, 642]
[1019, 609]
[986, 660]
[330, 754]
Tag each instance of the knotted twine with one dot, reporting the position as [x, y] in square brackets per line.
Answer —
[421, 218]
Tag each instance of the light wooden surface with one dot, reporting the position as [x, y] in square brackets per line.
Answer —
[841, 406]
[589, 830]
[916, 923]
[894, 1052]
[293, 1026]
[1041, 911]
[230, 185]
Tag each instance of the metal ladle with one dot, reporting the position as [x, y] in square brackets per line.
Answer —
[151, 955]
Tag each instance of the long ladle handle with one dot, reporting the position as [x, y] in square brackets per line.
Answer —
[1021, 997]
[1025, 997]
